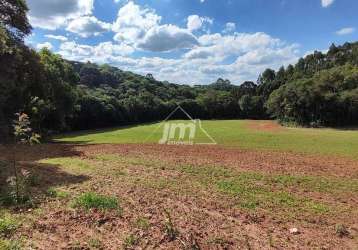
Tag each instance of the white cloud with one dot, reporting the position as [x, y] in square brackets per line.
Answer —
[98, 53]
[140, 28]
[167, 38]
[326, 3]
[87, 26]
[230, 55]
[229, 27]
[56, 13]
[133, 22]
[218, 46]
[249, 54]
[195, 22]
[60, 38]
[345, 31]
[44, 45]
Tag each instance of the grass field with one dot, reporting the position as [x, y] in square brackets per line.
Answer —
[238, 133]
[119, 189]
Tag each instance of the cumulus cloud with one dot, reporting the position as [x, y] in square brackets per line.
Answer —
[56, 13]
[133, 22]
[140, 27]
[167, 38]
[219, 46]
[250, 54]
[87, 26]
[60, 38]
[203, 59]
[44, 45]
[195, 22]
[326, 3]
[345, 31]
[102, 52]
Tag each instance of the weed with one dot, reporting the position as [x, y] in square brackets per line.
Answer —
[17, 191]
[130, 241]
[341, 230]
[8, 225]
[10, 245]
[142, 223]
[92, 200]
[170, 231]
[54, 193]
[94, 243]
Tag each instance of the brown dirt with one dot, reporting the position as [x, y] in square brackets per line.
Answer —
[268, 126]
[202, 217]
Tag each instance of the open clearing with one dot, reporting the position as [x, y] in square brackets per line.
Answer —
[259, 135]
[234, 195]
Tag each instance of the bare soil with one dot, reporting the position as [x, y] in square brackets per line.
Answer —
[204, 218]
[268, 126]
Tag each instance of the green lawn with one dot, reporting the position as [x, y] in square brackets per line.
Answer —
[235, 133]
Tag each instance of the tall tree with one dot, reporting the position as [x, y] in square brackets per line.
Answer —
[13, 18]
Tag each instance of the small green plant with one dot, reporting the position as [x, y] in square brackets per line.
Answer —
[8, 225]
[94, 243]
[170, 231]
[341, 230]
[54, 193]
[92, 200]
[18, 183]
[142, 223]
[10, 244]
[130, 241]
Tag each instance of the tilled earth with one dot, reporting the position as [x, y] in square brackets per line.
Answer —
[188, 197]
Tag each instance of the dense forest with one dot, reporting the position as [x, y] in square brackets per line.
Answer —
[60, 95]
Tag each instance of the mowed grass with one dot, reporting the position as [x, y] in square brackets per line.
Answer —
[234, 133]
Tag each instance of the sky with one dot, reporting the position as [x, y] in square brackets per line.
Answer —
[191, 41]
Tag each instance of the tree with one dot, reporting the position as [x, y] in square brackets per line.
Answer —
[13, 18]
[23, 135]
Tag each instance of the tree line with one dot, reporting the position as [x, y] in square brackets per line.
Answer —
[60, 95]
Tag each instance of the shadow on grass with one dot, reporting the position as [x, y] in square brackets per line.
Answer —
[46, 176]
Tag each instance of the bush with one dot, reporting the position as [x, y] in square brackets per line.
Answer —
[93, 200]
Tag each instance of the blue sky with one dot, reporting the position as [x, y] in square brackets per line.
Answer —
[192, 41]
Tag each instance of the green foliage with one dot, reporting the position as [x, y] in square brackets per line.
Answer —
[10, 245]
[8, 225]
[59, 95]
[14, 18]
[330, 97]
[52, 192]
[142, 223]
[93, 200]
